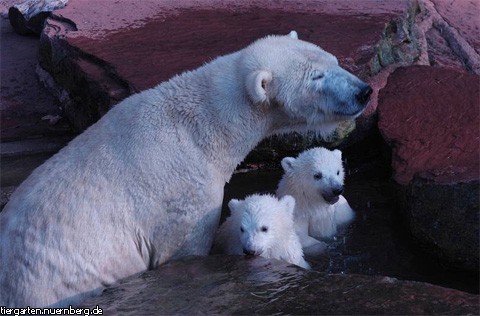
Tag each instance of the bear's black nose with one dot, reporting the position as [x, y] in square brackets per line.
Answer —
[337, 191]
[364, 95]
[248, 252]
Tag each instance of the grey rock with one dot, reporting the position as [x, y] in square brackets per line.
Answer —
[240, 285]
[446, 217]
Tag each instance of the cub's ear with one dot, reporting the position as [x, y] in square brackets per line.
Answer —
[338, 153]
[234, 205]
[288, 164]
[289, 203]
[293, 34]
[258, 83]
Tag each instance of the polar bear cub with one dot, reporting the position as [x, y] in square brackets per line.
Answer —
[315, 179]
[262, 225]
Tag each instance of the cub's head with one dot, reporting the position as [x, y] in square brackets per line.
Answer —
[303, 83]
[316, 173]
[263, 221]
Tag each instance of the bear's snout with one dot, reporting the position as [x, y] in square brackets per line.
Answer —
[331, 199]
[337, 191]
[333, 195]
[363, 96]
[249, 252]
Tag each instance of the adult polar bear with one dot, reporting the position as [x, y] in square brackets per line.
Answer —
[145, 183]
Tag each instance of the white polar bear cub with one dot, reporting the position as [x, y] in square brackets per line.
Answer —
[261, 225]
[315, 179]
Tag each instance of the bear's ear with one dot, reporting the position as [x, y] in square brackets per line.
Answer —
[258, 82]
[338, 153]
[234, 204]
[289, 203]
[293, 34]
[288, 164]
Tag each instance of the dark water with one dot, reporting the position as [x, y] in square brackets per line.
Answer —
[378, 241]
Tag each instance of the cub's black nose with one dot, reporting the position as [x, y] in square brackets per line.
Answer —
[364, 95]
[337, 191]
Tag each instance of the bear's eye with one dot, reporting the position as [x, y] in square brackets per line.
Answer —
[242, 230]
[338, 172]
[264, 229]
[318, 76]
[317, 176]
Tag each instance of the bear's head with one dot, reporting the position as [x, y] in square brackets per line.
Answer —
[263, 221]
[316, 174]
[301, 82]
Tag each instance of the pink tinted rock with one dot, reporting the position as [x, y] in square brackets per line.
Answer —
[377, 82]
[145, 48]
[27, 137]
[163, 47]
[440, 53]
[132, 46]
[464, 16]
[457, 22]
[430, 116]
[24, 101]
[99, 18]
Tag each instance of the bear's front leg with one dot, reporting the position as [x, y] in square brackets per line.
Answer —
[310, 245]
[192, 227]
[343, 212]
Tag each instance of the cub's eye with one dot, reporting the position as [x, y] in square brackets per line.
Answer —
[318, 176]
[242, 230]
[338, 172]
[318, 76]
[264, 229]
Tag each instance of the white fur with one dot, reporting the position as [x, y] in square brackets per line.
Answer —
[145, 183]
[264, 226]
[316, 218]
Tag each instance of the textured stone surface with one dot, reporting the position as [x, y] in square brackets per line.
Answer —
[31, 124]
[28, 16]
[238, 285]
[457, 23]
[440, 54]
[24, 101]
[463, 16]
[429, 117]
[445, 217]
[101, 52]
[399, 44]
[425, 36]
